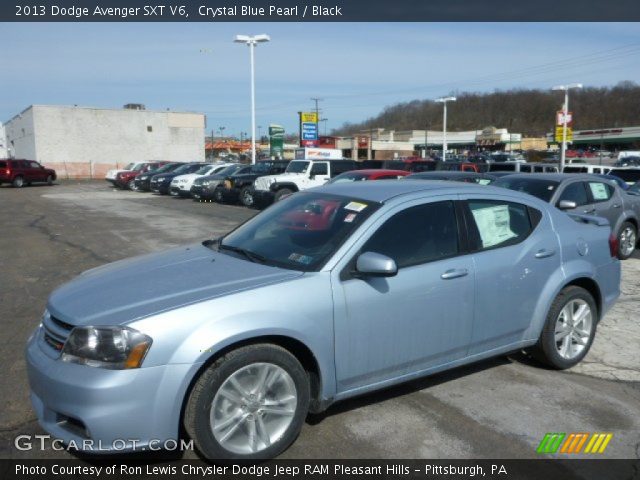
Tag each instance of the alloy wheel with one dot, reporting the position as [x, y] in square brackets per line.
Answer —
[573, 328]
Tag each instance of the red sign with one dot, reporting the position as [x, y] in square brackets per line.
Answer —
[363, 142]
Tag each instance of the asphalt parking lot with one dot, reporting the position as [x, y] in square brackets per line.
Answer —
[499, 408]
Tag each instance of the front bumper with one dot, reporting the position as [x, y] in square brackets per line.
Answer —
[262, 197]
[161, 188]
[179, 192]
[119, 410]
[143, 185]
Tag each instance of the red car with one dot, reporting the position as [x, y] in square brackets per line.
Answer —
[126, 178]
[25, 172]
[369, 174]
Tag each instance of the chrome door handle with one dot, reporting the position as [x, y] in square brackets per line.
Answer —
[616, 205]
[454, 273]
[589, 211]
[544, 253]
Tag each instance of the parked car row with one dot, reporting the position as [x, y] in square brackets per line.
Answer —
[602, 193]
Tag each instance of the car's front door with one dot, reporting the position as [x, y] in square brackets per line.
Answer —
[516, 252]
[36, 172]
[389, 327]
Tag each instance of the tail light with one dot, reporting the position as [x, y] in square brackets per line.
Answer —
[613, 245]
[7, 171]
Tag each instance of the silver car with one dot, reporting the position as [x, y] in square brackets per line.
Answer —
[331, 293]
[588, 194]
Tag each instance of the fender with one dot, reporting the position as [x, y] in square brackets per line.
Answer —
[280, 185]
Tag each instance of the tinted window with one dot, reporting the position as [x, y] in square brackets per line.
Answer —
[3, 164]
[575, 192]
[626, 175]
[498, 224]
[576, 170]
[543, 189]
[319, 169]
[417, 235]
[502, 167]
[34, 164]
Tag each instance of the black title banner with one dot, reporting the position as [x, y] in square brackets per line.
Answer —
[319, 11]
[105, 468]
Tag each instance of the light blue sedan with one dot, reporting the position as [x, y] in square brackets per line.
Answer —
[333, 292]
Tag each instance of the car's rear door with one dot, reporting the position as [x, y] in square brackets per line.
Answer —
[390, 327]
[515, 253]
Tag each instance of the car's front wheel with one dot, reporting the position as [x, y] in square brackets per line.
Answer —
[246, 197]
[249, 404]
[49, 180]
[132, 185]
[283, 192]
[569, 329]
[218, 196]
[627, 239]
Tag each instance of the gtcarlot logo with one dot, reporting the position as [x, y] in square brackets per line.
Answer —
[46, 442]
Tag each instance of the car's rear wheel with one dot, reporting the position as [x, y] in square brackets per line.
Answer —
[627, 239]
[283, 192]
[50, 180]
[246, 197]
[249, 404]
[569, 329]
[18, 182]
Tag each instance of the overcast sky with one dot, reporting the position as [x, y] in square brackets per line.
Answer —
[356, 68]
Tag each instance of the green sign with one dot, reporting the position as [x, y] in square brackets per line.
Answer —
[276, 141]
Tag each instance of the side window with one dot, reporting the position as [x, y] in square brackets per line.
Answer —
[538, 169]
[600, 192]
[417, 235]
[34, 165]
[575, 192]
[498, 223]
[319, 169]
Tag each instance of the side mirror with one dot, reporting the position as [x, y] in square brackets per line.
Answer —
[567, 205]
[376, 265]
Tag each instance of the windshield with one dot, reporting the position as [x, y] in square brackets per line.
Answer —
[542, 189]
[137, 167]
[204, 170]
[166, 168]
[261, 167]
[230, 170]
[629, 176]
[297, 167]
[188, 168]
[300, 232]
[350, 177]
[635, 188]
[128, 166]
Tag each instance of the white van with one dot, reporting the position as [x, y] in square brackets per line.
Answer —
[522, 167]
[586, 168]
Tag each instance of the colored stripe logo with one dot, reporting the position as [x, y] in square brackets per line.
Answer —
[574, 443]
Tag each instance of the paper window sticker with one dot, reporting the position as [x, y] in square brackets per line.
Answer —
[355, 206]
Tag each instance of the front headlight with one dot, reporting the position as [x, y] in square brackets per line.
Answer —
[143, 177]
[115, 348]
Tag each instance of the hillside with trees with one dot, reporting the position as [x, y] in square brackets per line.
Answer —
[530, 112]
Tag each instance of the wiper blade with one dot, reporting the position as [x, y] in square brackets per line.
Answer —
[251, 256]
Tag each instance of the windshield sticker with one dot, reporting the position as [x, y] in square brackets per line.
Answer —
[355, 206]
[493, 224]
[304, 259]
[599, 191]
[350, 217]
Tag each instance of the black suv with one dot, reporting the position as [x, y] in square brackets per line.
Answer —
[238, 187]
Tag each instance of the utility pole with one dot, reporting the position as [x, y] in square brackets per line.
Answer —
[316, 100]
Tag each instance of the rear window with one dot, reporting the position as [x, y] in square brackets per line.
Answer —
[629, 176]
[3, 164]
[543, 189]
[503, 167]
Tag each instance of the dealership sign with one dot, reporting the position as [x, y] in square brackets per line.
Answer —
[308, 129]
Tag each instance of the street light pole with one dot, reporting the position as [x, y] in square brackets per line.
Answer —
[251, 42]
[444, 101]
[565, 111]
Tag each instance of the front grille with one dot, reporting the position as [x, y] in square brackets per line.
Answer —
[56, 332]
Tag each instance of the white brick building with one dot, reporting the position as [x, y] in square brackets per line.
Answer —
[86, 142]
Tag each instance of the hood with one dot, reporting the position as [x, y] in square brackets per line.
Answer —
[120, 292]
[187, 176]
